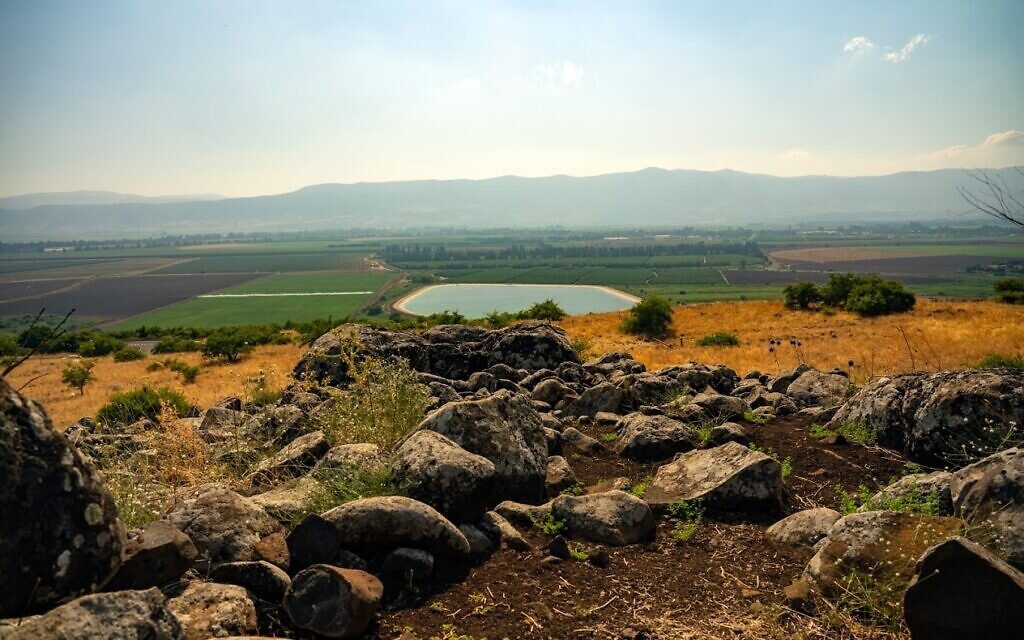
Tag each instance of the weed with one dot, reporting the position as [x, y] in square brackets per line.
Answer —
[582, 347]
[608, 437]
[996, 361]
[572, 490]
[872, 597]
[690, 515]
[383, 404]
[754, 418]
[438, 607]
[578, 552]
[343, 484]
[258, 391]
[549, 524]
[855, 431]
[786, 463]
[910, 501]
[639, 488]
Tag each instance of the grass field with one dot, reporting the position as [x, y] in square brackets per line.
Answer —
[225, 311]
[941, 335]
[271, 262]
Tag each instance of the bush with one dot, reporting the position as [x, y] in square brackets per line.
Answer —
[997, 361]
[99, 344]
[176, 344]
[719, 339]
[801, 295]
[128, 354]
[875, 297]
[126, 407]
[226, 345]
[1009, 290]
[9, 347]
[445, 317]
[838, 288]
[78, 374]
[546, 310]
[652, 316]
[186, 371]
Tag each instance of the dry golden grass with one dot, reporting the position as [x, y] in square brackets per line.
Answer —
[43, 375]
[938, 335]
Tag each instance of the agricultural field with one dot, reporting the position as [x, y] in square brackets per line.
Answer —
[272, 299]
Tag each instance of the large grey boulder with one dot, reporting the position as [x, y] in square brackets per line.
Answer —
[118, 615]
[727, 477]
[602, 397]
[614, 517]
[559, 476]
[333, 602]
[816, 388]
[224, 526]
[990, 493]
[650, 438]
[154, 556]
[434, 470]
[882, 543]
[220, 424]
[350, 455]
[805, 527]
[60, 536]
[945, 419]
[374, 525]
[717, 405]
[960, 590]
[210, 610]
[505, 429]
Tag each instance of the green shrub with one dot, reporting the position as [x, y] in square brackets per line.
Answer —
[910, 501]
[445, 317]
[128, 354]
[546, 310]
[175, 344]
[78, 374]
[652, 317]
[9, 347]
[855, 431]
[801, 295]
[338, 485]
[226, 345]
[187, 372]
[875, 297]
[837, 290]
[690, 515]
[99, 344]
[126, 407]
[1009, 290]
[639, 488]
[719, 339]
[549, 524]
[996, 361]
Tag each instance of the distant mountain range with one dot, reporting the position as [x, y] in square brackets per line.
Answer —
[651, 197]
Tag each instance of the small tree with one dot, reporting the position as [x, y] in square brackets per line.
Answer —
[835, 292]
[652, 316]
[546, 310]
[1009, 290]
[875, 297]
[227, 345]
[801, 295]
[78, 374]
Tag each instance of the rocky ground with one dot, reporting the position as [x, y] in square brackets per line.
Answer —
[541, 497]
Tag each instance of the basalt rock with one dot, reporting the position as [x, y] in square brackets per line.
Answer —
[436, 471]
[60, 536]
[119, 615]
[374, 525]
[333, 602]
[727, 477]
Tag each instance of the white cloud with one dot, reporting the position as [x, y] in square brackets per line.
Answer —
[1002, 149]
[904, 52]
[795, 154]
[469, 85]
[858, 45]
[559, 75]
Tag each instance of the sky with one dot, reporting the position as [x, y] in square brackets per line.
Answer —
[253, 97]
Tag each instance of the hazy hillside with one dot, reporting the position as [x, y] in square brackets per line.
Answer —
[29, 200]
[648, 197]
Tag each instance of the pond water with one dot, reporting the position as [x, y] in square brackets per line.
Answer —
[477, 300]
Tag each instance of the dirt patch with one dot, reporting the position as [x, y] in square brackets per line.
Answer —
[720, 584]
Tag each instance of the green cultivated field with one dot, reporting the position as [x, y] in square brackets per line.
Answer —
[217, 312]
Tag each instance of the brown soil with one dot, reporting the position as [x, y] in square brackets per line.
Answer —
[726, 582]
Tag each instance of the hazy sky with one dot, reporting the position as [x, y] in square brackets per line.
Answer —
[252, 97]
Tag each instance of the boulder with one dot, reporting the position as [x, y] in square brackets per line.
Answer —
[614, 517]
[529, 345]
[961, 590]
[224, 526]
[805, 527]
[60, 536]
[333, 602]
[502, 532]
[549, 390]
[312, 541]
[295, 459]
[650, 438]
[884, 544]
[434, 470]
[604, 397]
[716, 405]
[727, 432]
[404, 565]
[780, 383]
[480, 546]
[220, 424]
[574, 440]
[349, 455]
[288, 500]
[815, 388]
[119, 615]
[381, 524]
[263, 579]
[209, 610]
[730, 476]
[156, 555]
[945, 419]
[990, 493]
[505, 429]
[523, 515]
[559, 476]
